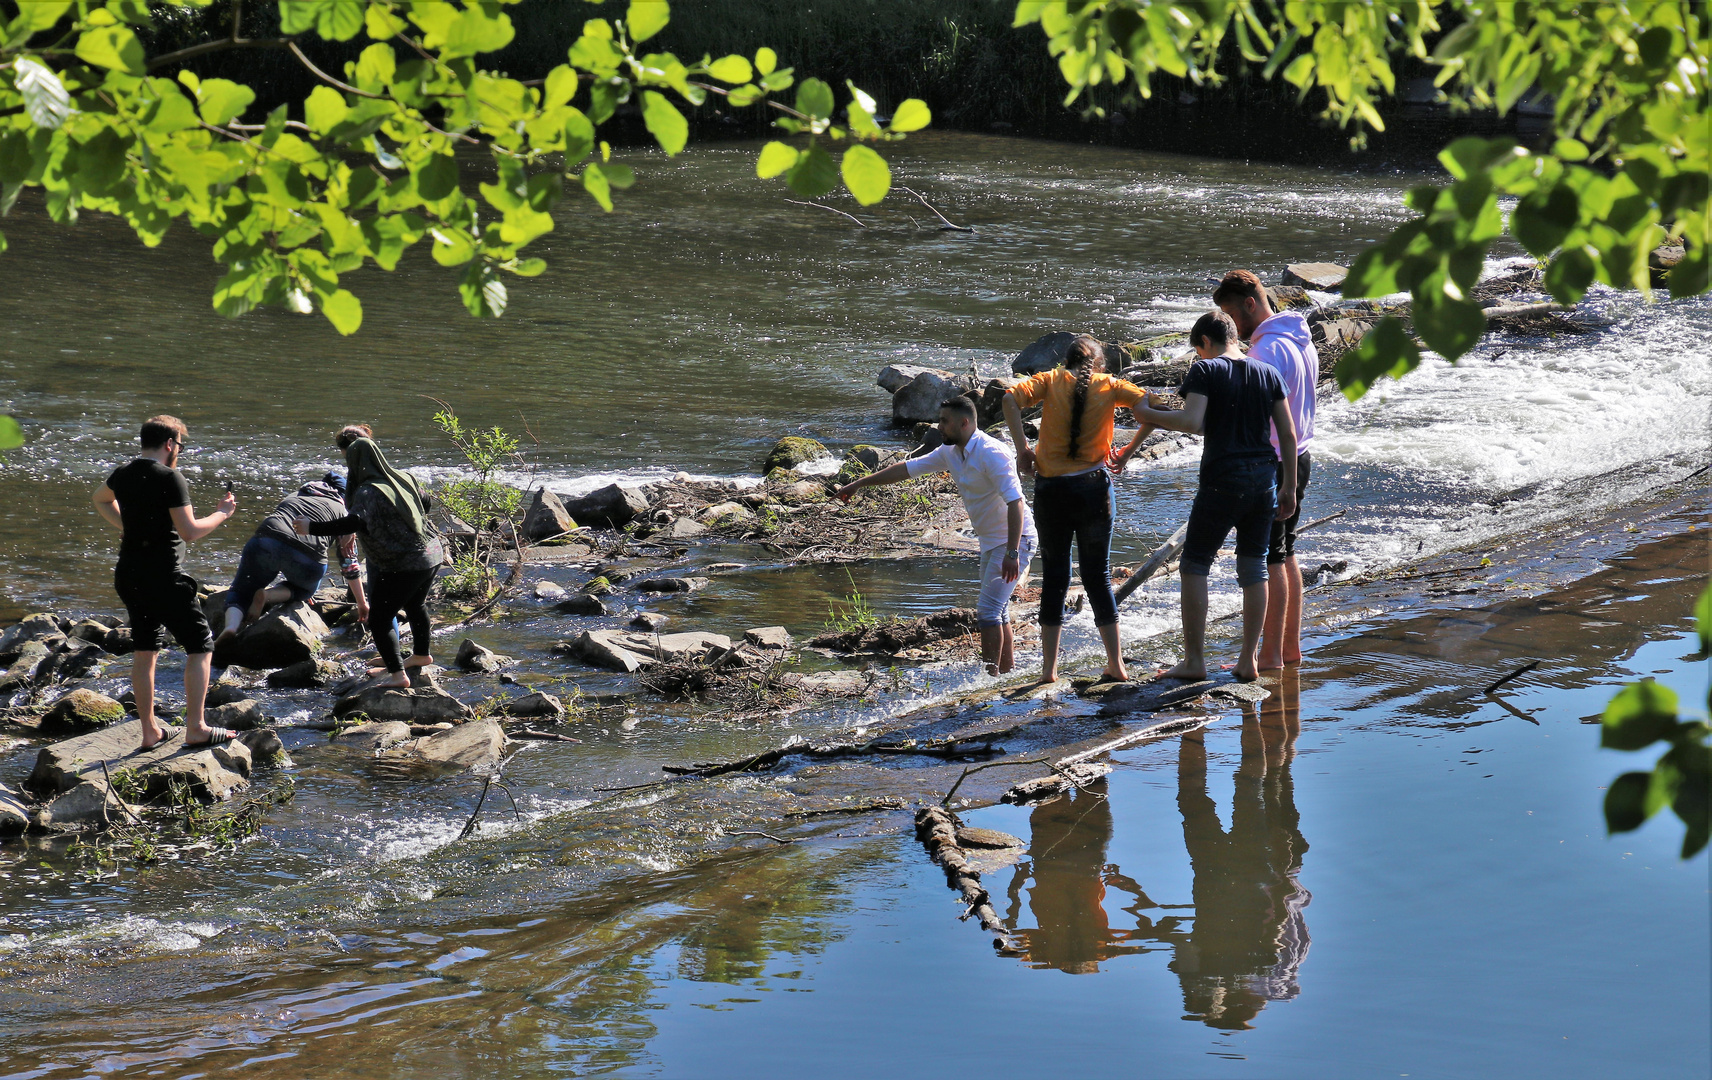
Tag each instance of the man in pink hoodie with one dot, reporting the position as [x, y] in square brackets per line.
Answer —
[1282, 341]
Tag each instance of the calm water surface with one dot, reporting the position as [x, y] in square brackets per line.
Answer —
[1377, 875]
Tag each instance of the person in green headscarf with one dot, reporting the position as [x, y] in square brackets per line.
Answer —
[388, 514]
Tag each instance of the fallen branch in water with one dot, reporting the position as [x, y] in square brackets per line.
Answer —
[942, 748]
[1079, 769]
[936, 828]
[1320, 521]
[989, 765]
[756, 832]
[1524, 669]
[861, 808]
[1155, 563]
[947, 224]
[544, 736]
[834, 209]
[1403, 577]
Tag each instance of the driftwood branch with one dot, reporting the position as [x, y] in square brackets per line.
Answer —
[989, 765]
[1155, 563]
[1078, 769]
[834, 209]
[946, 222]
[1524, 669]
[470, 825]
[936, 828]
[1317, 522]
[757, 832]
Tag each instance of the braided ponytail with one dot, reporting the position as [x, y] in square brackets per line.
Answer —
[1080, 358]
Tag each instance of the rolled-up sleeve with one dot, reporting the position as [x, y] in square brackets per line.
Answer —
[931, 462]
[1032, 390]
[1002, 468]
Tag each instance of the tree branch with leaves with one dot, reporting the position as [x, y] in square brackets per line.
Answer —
[370, 169]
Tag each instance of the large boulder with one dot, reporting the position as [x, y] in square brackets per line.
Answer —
[610, 649]
[1047, 352]
[33, 628]
[791, 451]
[245, 715]
[672, 585]
[584, 604]
[611, 507]
[682, 528]
[211, 775]
[376, 735]
[1324, 277]
[893, 376]
[478, 658]
[622, 650]
[874, 458]
[79, 713]
[306, 675]
[118, 641]
[918, 400]
[991, 405]
[75, 659]
[90, 803]
[416, 705]
[475, 745]
[14, 818]
[725, 513]
[289, 634]
[64, 765]
[32, 657]
[547, 517]
[538, 705]
[91, 630]
[768, 637]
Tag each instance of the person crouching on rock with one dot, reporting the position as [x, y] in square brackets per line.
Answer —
[986, 474]
[1235, 403]
[149, 501]
[276, 550]
[1073, 495]
[389, 515]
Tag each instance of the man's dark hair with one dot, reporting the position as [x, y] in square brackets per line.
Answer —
[1238, 285]
[351, 433]
[158, 429]
[1215, 328]
[962, 406]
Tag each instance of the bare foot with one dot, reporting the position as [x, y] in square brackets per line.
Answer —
[1244, 672]
[396, 681]
[418, 660]
[1185, 671]
[993, 670]
[1108, 676]
[1271, 661]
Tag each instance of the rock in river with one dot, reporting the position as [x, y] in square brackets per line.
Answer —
[79, 713]
[791, 451]
[306, 675]
[473, 657]
[918, 400]
[381, 735]
[1325, 277]
[1047, 352]
[64, 765]
[535, 706]
[33, 628]
[611, 507]
[894, 377]
[671, 585]
[583, 604]
[547, 517]
[622, 650]
[424, 704]
[475, 745]
[289, 634]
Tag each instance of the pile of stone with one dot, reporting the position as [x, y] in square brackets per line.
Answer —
[46, 649]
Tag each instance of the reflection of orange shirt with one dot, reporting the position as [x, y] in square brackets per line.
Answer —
[1054, 390]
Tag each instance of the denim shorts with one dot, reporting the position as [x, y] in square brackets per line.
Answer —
[1242, 495]
[993, 607]
[264, 558]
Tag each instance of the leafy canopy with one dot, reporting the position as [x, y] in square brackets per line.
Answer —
[1629, 167]
[373, 167]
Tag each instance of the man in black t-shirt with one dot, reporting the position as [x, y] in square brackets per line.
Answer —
[1233, 402]
[149, 501]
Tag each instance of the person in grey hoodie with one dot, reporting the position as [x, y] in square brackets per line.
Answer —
[1281, 340]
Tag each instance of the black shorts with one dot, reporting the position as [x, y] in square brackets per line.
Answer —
[1283, 543]
[162, 598]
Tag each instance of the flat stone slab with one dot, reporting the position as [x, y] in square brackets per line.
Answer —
[1326, 277]
[376, 736]
[64, 765]
[1120, 699]
[474, 745]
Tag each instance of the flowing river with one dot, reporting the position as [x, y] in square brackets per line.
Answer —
[1467, 915]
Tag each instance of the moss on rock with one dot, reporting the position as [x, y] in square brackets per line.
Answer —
[791, 451]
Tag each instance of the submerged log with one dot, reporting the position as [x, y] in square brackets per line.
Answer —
[937, 828]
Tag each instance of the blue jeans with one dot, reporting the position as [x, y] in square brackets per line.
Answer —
[1075, 508]
[266, 557]
[1242, 495]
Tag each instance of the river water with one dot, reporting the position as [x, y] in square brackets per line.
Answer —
[1464, 920]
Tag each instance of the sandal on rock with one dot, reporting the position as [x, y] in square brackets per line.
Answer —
[216, 735]
[167, 732]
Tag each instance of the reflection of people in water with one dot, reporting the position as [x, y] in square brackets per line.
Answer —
[1249, 936]
[1067, 852]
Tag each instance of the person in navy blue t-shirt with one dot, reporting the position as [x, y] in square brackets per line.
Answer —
[1234, 403]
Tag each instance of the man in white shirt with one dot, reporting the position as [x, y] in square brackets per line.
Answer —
[986, 474]
[1282, 341]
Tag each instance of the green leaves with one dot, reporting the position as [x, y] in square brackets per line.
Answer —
[663, 120]
[437, 177]
[775, 158]
[912, 114]
[645, 18]
[1386, 350]
[344, 311]
[814, 98]
[114, 47]
[476, 31]
[813, 174]
[1544, 219]
[324, 110]
[11, 435]
[731, 69]
[1448, 325]
[1644, 713]
[866, 174]
[1640, 715]
[220, 101]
